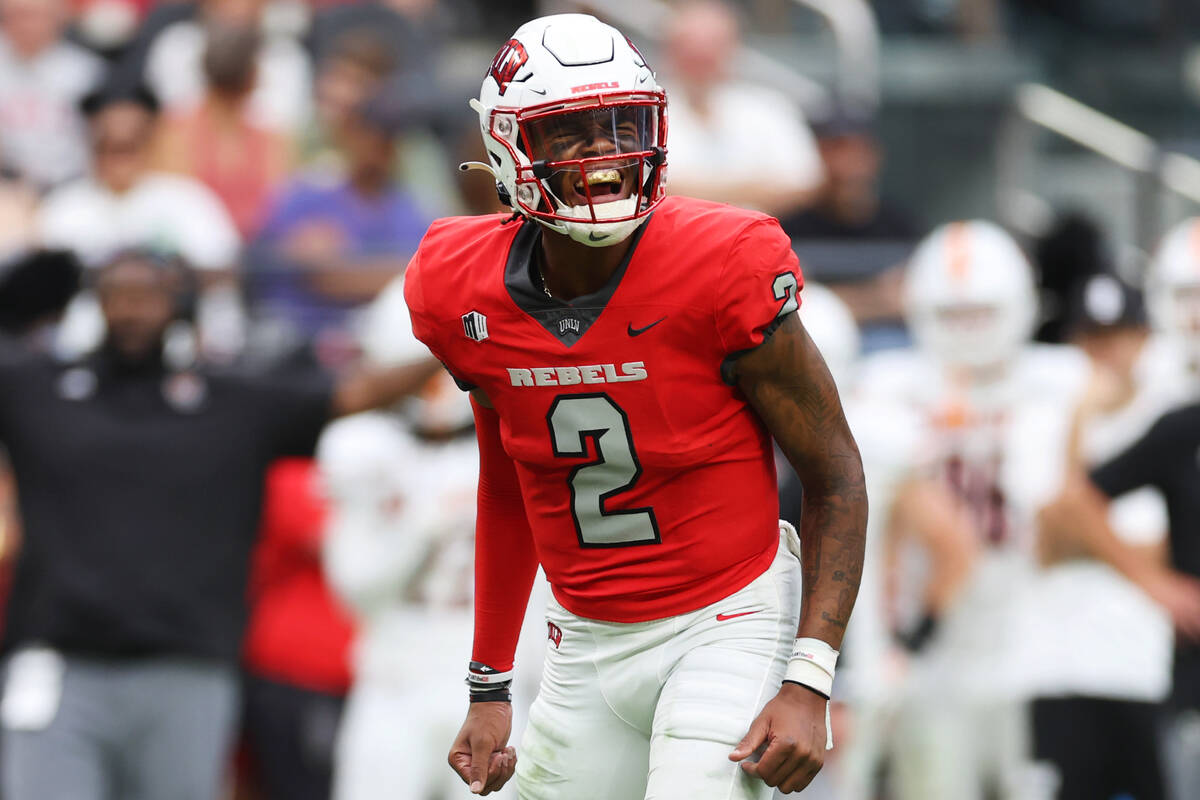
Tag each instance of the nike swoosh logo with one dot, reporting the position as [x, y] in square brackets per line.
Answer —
[632, 331]
[592, 237]
[723, 617]
[538, 91]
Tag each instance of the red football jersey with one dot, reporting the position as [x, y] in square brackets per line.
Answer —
[648, 481]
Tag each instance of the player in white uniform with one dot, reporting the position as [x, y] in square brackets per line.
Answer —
[399, 553]
[905, 503]
[994, 415]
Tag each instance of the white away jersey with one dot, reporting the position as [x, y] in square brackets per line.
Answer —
[888, 437]
[1001, 448]
[400, 545]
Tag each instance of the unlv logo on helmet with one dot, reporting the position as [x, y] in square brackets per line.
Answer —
[507, 63]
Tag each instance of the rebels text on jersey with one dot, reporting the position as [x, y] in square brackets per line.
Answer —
[648, 481]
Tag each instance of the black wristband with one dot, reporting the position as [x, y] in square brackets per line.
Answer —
[497, 695]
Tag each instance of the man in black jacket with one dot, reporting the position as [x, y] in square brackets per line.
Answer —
[140, 488]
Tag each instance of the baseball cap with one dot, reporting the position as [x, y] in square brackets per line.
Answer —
[1103, 302]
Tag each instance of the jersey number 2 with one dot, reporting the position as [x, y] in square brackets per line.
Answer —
[575, 420]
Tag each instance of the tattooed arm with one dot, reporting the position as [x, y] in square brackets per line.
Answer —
[788, 384]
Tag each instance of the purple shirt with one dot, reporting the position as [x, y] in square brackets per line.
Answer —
[390, 225]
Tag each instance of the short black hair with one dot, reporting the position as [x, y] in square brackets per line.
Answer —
[112, 92]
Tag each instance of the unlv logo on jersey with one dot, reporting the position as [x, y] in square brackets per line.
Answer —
[508, 63]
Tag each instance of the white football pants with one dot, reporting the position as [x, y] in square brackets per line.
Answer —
[399, 723]
[652, 710]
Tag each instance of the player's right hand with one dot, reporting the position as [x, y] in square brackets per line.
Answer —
[479, 754]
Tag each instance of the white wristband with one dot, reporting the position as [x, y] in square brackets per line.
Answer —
[812, 664]
[481, 676]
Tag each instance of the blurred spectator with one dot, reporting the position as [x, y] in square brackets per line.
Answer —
[329, 245]
[124, 204]
[852, 237]
[217, 143]
[401, 44]
[1091, 709]
[140, 489]
[280, 99]
[353, 69]
[412, 31]
[297, 652]
[42, 78]
[731, 141]
[848, 204]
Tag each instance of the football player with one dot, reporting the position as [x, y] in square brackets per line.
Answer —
[995, 416]
[630, 357]
[907, 505]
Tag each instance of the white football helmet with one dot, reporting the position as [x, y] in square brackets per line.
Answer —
[1173, 285]
[575, 125]
[831, 325]
[970, 297]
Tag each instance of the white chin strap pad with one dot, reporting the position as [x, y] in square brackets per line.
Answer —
[600, 234]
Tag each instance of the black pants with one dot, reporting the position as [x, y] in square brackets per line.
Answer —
[290, 733]
[1101, 748]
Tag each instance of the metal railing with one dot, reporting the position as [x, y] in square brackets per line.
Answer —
[1157, 174]
[856, 33]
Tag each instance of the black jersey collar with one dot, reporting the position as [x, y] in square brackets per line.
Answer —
[566, 321]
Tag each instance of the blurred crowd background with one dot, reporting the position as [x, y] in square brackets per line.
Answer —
[291, 154]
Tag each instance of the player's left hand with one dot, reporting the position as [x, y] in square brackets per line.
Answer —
[792, 727]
